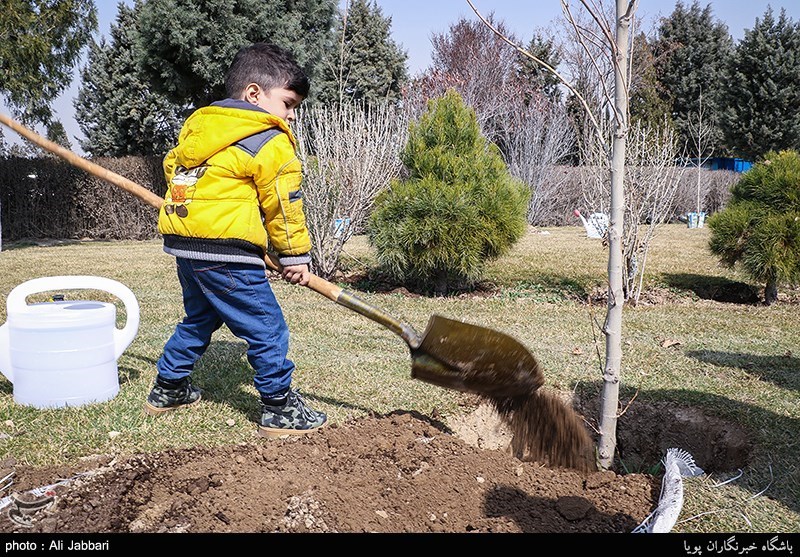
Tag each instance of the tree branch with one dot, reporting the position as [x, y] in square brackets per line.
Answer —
[585, 36]
[542, 63]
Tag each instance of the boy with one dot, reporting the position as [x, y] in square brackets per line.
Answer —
[234, 188]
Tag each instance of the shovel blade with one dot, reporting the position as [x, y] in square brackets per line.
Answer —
[469, 358]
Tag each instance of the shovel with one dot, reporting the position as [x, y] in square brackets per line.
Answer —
[451, 354]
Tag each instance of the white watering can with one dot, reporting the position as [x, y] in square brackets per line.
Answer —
[64, 353]
[596, 225]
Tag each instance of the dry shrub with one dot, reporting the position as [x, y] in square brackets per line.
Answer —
[350, 155]
[715, 190]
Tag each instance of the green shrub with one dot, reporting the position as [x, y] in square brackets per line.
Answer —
[458, 208]
[760, 228]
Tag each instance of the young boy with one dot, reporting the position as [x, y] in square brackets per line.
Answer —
[234, 188]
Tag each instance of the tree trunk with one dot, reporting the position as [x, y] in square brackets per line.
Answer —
[613, 324]
[771, 292]
[440, 283]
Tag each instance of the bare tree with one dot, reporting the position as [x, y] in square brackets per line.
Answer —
[350, 155]
[608, 38]
[653, 182]
[342, 59]
[474, 61]
[534, 139]
[700, 127]
[594, 168]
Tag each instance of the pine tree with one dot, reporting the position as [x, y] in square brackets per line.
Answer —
[458, 209]
[691, 51]
[186, 46]
[762, 92]
[760, 227]
[116, 108]
[40, 43]
[57, 134]
[533, 75]
[646, 105]
[365, 65]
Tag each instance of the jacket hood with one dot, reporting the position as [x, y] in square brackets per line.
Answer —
[213, 128]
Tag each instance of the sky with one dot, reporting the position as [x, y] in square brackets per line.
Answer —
[414, 22]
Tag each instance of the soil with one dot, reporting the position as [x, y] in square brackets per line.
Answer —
[396, 473]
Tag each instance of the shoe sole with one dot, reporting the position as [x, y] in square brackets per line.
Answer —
[276, 432]
[151, 410]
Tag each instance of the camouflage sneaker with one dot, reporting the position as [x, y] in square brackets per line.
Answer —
[165, 397]
[294, 417]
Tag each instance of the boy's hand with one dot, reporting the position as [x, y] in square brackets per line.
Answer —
[296, 274]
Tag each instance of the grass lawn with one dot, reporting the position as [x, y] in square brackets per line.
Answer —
[695, 338]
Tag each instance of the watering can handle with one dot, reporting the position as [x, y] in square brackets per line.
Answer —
[5, 353]
[122, 337]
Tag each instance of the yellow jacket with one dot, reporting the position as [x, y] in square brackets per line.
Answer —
[234, 188]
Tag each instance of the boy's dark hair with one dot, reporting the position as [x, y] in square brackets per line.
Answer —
[267, 65]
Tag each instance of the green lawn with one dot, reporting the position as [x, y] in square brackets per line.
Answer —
[693, 340]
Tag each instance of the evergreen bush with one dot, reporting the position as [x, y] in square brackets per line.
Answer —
[760, 228]
[458, 207]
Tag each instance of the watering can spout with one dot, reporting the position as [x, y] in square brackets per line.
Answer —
[5, 354]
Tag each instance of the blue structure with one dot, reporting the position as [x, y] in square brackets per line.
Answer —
[723, 163]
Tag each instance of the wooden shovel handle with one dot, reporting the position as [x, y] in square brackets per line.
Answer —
[315, 283]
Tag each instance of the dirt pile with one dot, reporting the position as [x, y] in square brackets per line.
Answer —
[394, 474]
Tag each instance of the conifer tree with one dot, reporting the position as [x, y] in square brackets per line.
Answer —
[761, 98]
[533, 76]
[116, 108]
[458, 209]
[185, 46]
[760, 227]
[691, 50]
[646, 105]
[57, 134]
[365, 64]
[40, 42]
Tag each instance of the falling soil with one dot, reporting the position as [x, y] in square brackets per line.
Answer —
[546, 430]
[504, 373]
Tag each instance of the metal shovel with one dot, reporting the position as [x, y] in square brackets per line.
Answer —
[453, 354]
[450, 354]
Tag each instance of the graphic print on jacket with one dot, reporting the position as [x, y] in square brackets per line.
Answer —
[181, 190]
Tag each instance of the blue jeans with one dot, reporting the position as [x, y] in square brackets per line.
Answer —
[240, 297]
